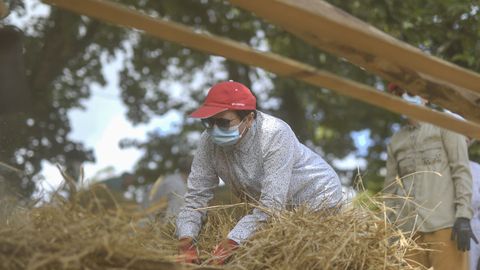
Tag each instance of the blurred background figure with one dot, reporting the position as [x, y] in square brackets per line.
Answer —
[440, 201]
[120, 183]
[475, 222]
[8, 172]
[349, 191]
[15, 96]
[170, 189]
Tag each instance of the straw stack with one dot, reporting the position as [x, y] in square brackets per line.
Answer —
[351, 239]
[67, 235]
[91, 230]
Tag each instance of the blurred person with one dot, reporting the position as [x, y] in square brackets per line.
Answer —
[15, 95]
[171, 189]
[120, 183]
[475, 222]
[429, 176]
[348, 189]
[259, 157]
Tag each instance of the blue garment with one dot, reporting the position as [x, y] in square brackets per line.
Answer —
[225, 137]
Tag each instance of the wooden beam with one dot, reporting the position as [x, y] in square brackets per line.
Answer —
[174, 32]
[341, 34]
[3, 9]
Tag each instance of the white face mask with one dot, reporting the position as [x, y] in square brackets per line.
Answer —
[413, 99]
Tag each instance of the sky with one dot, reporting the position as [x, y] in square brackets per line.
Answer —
[102, 124]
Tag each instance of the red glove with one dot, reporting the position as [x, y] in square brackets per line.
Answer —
[187, 251]
[223, 251]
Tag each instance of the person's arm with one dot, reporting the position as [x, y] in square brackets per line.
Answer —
[475, 170]
[457, 154]
[278, 165]
[161, 191]
[201, 182]
[390, 185]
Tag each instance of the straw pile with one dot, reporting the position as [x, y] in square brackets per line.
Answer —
[80, 234]
[352, 239]
[91, 230]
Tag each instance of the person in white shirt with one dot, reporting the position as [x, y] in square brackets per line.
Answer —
[475, 222]
[171, 188]
[259, 157]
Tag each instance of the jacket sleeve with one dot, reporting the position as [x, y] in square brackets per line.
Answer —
[475, 170]
[278, 166]
[201, 182]
[457, 154]
[390, 185]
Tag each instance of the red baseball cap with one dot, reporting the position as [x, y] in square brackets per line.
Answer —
[393, 88]
[226, 96]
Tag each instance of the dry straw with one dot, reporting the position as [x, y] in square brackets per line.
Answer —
[351, 239]
[68, 235]
[93, 230]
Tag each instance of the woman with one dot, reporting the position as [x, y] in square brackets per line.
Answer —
[259, 157]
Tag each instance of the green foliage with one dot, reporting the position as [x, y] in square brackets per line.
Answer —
[62, 58]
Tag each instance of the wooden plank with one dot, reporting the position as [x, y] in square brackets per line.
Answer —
[174, 32]
[341, 34]
[3, 9]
